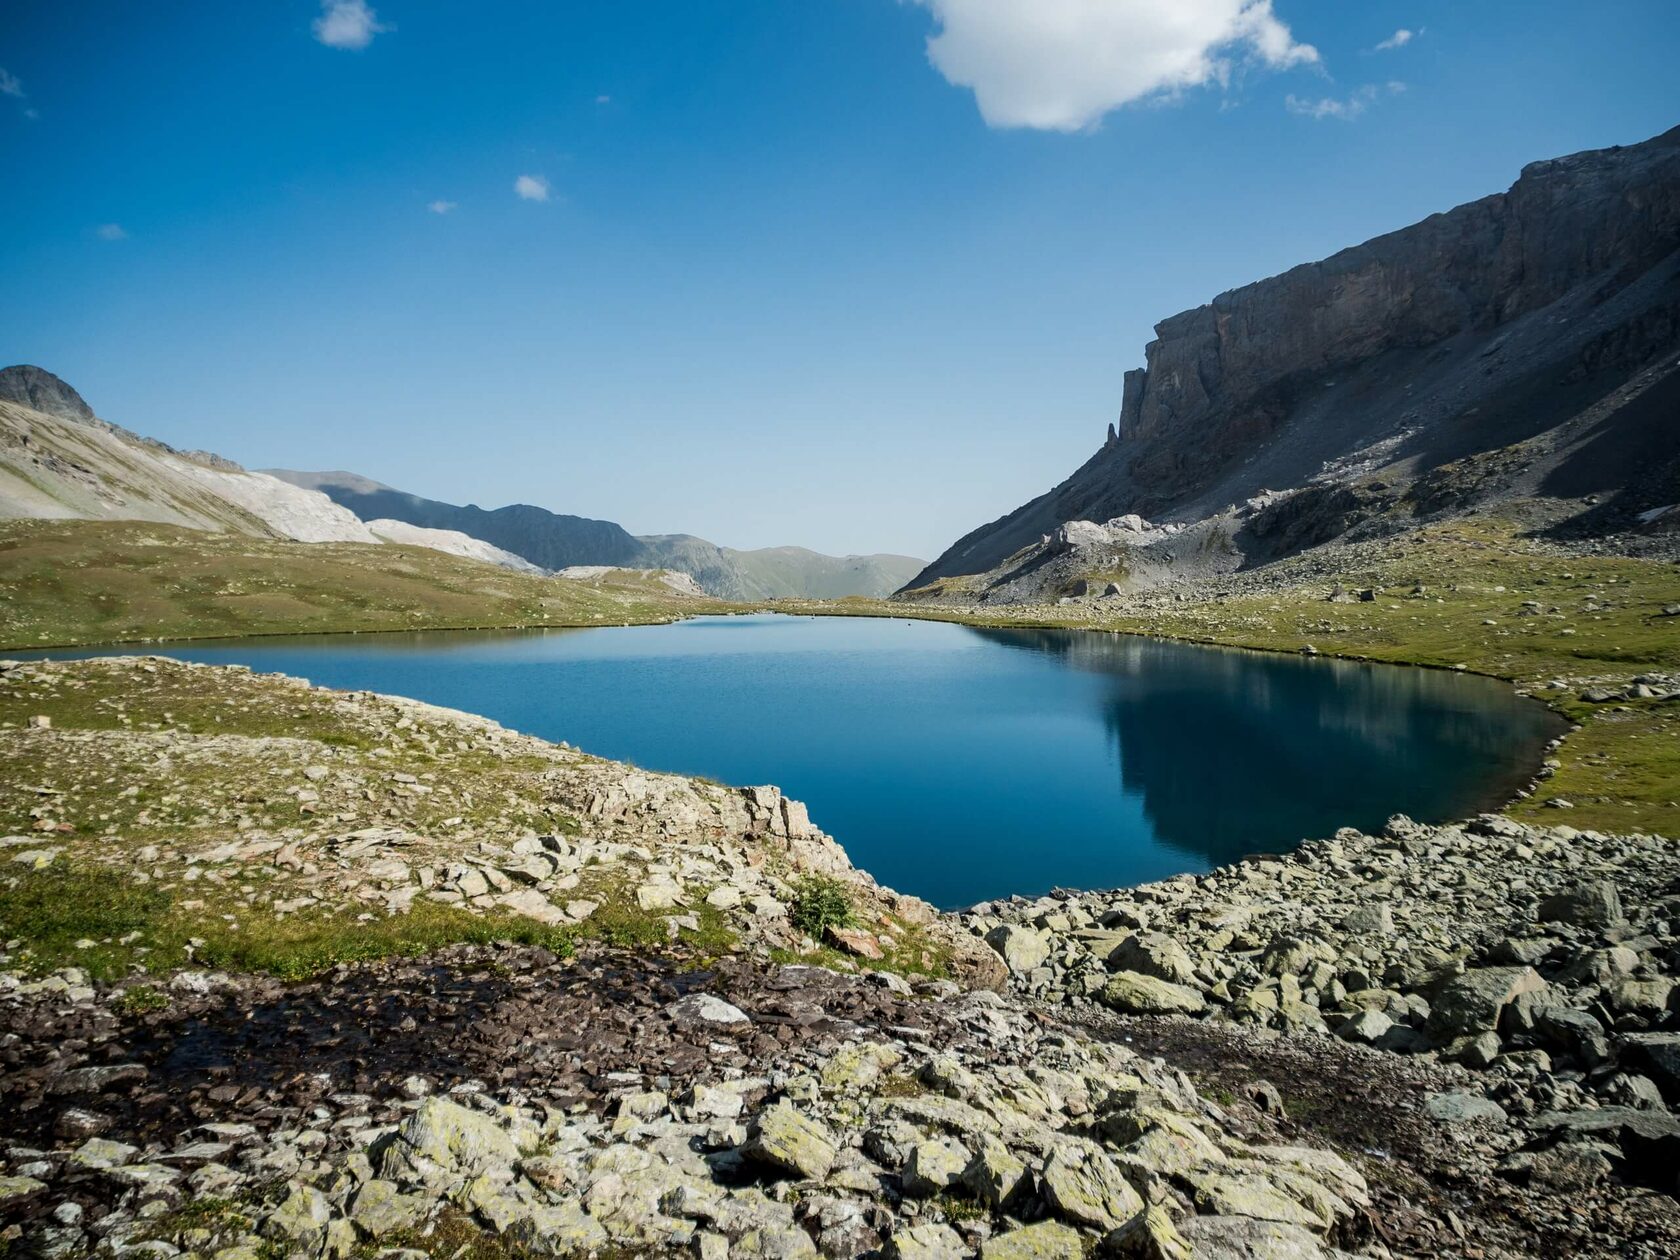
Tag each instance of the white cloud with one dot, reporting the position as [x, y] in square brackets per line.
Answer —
[441, 206]
[1399, 39]
[603, 99]
[347, 24]
[1060, 65]
[1345, 108]
[32, 114]
[10, 84]
[110, 232]
[531, 188]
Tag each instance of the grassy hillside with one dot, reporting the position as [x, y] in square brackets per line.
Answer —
[1470, 595]
[778, 572]
[69, 582]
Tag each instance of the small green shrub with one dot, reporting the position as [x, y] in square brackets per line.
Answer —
[140, 1000]
[820, 902]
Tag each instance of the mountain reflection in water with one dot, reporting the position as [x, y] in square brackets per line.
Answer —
[961, 764]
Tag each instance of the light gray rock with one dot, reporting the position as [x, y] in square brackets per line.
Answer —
[442, 1139]
[1154, 954]
[1453, 1107]
[1089, 1191]
[704, 1008]
[1021, 948]
[927, 1241]
[1134, 994]
[785, 1138]
[1047, 1240]
[934, 1166]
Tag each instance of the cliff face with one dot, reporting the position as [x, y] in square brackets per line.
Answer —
[1569, 275]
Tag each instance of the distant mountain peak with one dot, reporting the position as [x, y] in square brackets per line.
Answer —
[39, 390]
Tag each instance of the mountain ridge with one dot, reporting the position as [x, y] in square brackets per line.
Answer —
[1372, 375]
[556, 541]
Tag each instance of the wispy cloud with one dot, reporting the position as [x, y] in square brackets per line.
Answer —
[531, 188]
[10, 84]
[1346, 108]
[1399, 39]
[603, 99]
[1061, 65]
[440, 206]
[347, 24]
[110, 232]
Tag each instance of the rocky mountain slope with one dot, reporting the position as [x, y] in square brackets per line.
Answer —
[555, 541]
[59, 461]
[1520, 347]
[551, 540]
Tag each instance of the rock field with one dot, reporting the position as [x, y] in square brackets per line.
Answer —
[1438, 1041]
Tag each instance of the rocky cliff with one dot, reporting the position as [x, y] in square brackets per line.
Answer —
[1542, 318]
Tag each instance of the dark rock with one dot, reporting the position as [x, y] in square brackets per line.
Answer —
[1657, 1055]
[39, 390]
[1590, 905]
[1575, 1032]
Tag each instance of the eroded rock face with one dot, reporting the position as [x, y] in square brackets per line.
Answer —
[1401, 354]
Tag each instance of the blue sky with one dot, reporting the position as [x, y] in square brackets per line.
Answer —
[785, 272]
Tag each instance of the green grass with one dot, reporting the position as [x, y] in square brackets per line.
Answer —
[103, 922]
[79, 582]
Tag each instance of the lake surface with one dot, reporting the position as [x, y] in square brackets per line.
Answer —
[963, 764]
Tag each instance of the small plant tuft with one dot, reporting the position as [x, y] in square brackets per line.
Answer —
[821, 902]
[142, 999]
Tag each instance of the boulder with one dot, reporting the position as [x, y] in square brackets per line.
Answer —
[787, 1139]
[1244, 1238]
[379, 1209]
[444, 1140]
[1088, 1189]
[927, 1242]
[1587, 905]
[1657, 1055]
[1153, 954]
[1131, 993]
[934, 1166]
[1575, 1032]
[704, 1008]
[1453, 1107]
[1368, 1027]
[1021, 948]
[1047, 1240]
[1470, 1004]
[1148, 1236]
[994, 1176]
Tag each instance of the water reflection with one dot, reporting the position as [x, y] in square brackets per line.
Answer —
[961, 764]
[1234, 752]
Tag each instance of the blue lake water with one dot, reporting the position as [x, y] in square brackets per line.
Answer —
[962, 764]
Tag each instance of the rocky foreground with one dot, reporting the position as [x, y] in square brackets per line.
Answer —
[610, 1038]
[1545, 960]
